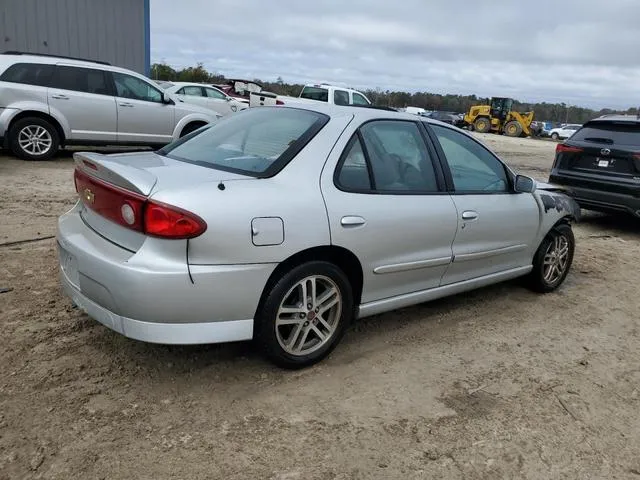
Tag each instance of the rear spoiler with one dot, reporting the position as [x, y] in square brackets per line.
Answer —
[116, 171]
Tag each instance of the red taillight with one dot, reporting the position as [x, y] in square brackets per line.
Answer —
[165, 221]
[561, 147]
[134, 211]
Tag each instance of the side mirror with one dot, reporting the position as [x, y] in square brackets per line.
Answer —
[166, 99]
[525, 184]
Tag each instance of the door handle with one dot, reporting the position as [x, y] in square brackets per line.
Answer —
[59, 96]
[124, 104]
[469, 215]
[352, 221]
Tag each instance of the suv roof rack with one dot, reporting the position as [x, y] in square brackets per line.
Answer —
[11, 52]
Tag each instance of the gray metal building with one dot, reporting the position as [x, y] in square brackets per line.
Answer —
[114, 31]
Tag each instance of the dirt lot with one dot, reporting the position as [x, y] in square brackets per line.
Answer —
[499, 383]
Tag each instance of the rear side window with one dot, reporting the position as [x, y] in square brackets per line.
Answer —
[87, 80]
[340, 97]
[315, 93]
[191, 91]
[258, 142]
[28, 73]
[359, 99]
[612, 133]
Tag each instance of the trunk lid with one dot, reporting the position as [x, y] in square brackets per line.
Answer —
[105, 182]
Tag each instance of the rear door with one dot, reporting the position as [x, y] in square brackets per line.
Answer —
[142, 116]
[386, 203]
[84, 97]
[496, 226]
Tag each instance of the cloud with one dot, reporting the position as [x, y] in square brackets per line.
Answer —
[581, 52]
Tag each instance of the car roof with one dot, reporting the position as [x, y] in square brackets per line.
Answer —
[10, 59]
[617, 118]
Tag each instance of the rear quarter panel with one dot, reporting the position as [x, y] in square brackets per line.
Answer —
[292, 195]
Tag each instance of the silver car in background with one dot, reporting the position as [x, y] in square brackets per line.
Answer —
[47, 102]
[284, 224]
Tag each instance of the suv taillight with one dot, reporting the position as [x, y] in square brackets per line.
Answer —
[135, 211]
[561, 147]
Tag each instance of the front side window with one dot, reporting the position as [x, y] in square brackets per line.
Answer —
[394, 156]
[340, 97]
[213, 93]
[258, 142]
[38, 74]
[134, 88]
[192, 91]
[78, 79]
[359, 99]
[473, 167]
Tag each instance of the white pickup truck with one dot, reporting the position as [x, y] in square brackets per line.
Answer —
[312, 93]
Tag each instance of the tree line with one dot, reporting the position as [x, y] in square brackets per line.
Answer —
[550, 112]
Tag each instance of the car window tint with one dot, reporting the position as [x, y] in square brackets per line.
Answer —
[28, 73]
[192, 91]
[128, 86]
[473, 167]
[86, 80]
[340, 97]
[399, 158]
[213, 93]
[613, 133]
[251, 141]
[353, 171]
[359, 99]
[315, 93]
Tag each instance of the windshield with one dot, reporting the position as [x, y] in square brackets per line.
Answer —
[258, 142]
[626, 133]
[315, 93]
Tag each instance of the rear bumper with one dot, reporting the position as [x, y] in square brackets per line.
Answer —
[589, 195]
[149, 297]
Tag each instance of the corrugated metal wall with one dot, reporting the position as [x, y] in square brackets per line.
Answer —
[113, 31]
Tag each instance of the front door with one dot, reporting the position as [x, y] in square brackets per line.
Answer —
[496, 226]
[387, 205]
[142, 116]
[84, 98]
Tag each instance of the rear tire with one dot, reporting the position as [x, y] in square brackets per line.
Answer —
[33, 138]
[482, 125]
[296, 332]
[513, 129]
[552, 260]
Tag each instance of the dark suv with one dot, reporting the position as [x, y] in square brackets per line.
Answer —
[601, 164]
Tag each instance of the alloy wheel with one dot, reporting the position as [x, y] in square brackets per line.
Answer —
[35, 140]
[556, 259]
[308, 315]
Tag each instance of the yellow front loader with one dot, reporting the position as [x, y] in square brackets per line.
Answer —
[499, 118]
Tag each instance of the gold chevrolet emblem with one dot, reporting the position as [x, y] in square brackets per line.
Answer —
[88, 195]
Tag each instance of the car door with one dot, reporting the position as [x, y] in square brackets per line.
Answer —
[219, 102]
[386, 203]
[84, 97]
[496, 226]
[142, 115]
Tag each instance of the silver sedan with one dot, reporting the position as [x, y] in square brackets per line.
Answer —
[283, 225]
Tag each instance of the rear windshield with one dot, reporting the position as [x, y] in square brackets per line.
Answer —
[315, 93]
[613, 133]
[258, 142]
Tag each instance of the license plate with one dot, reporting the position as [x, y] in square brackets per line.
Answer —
[69, 266]
[603, 163]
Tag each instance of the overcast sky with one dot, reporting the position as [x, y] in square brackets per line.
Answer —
[581, 52]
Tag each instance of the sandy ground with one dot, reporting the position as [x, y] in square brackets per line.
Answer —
[499, 383]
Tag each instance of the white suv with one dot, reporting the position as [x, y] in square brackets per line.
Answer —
[47, 102]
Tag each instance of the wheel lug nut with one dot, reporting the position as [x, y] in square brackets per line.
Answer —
[309, 306]
[317, 310]
[306, 324]
[302, 315]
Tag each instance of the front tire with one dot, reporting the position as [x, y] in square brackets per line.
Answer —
[304, 315]
[33, 138]
[555, 136]
[553, 259]
[513, 129]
